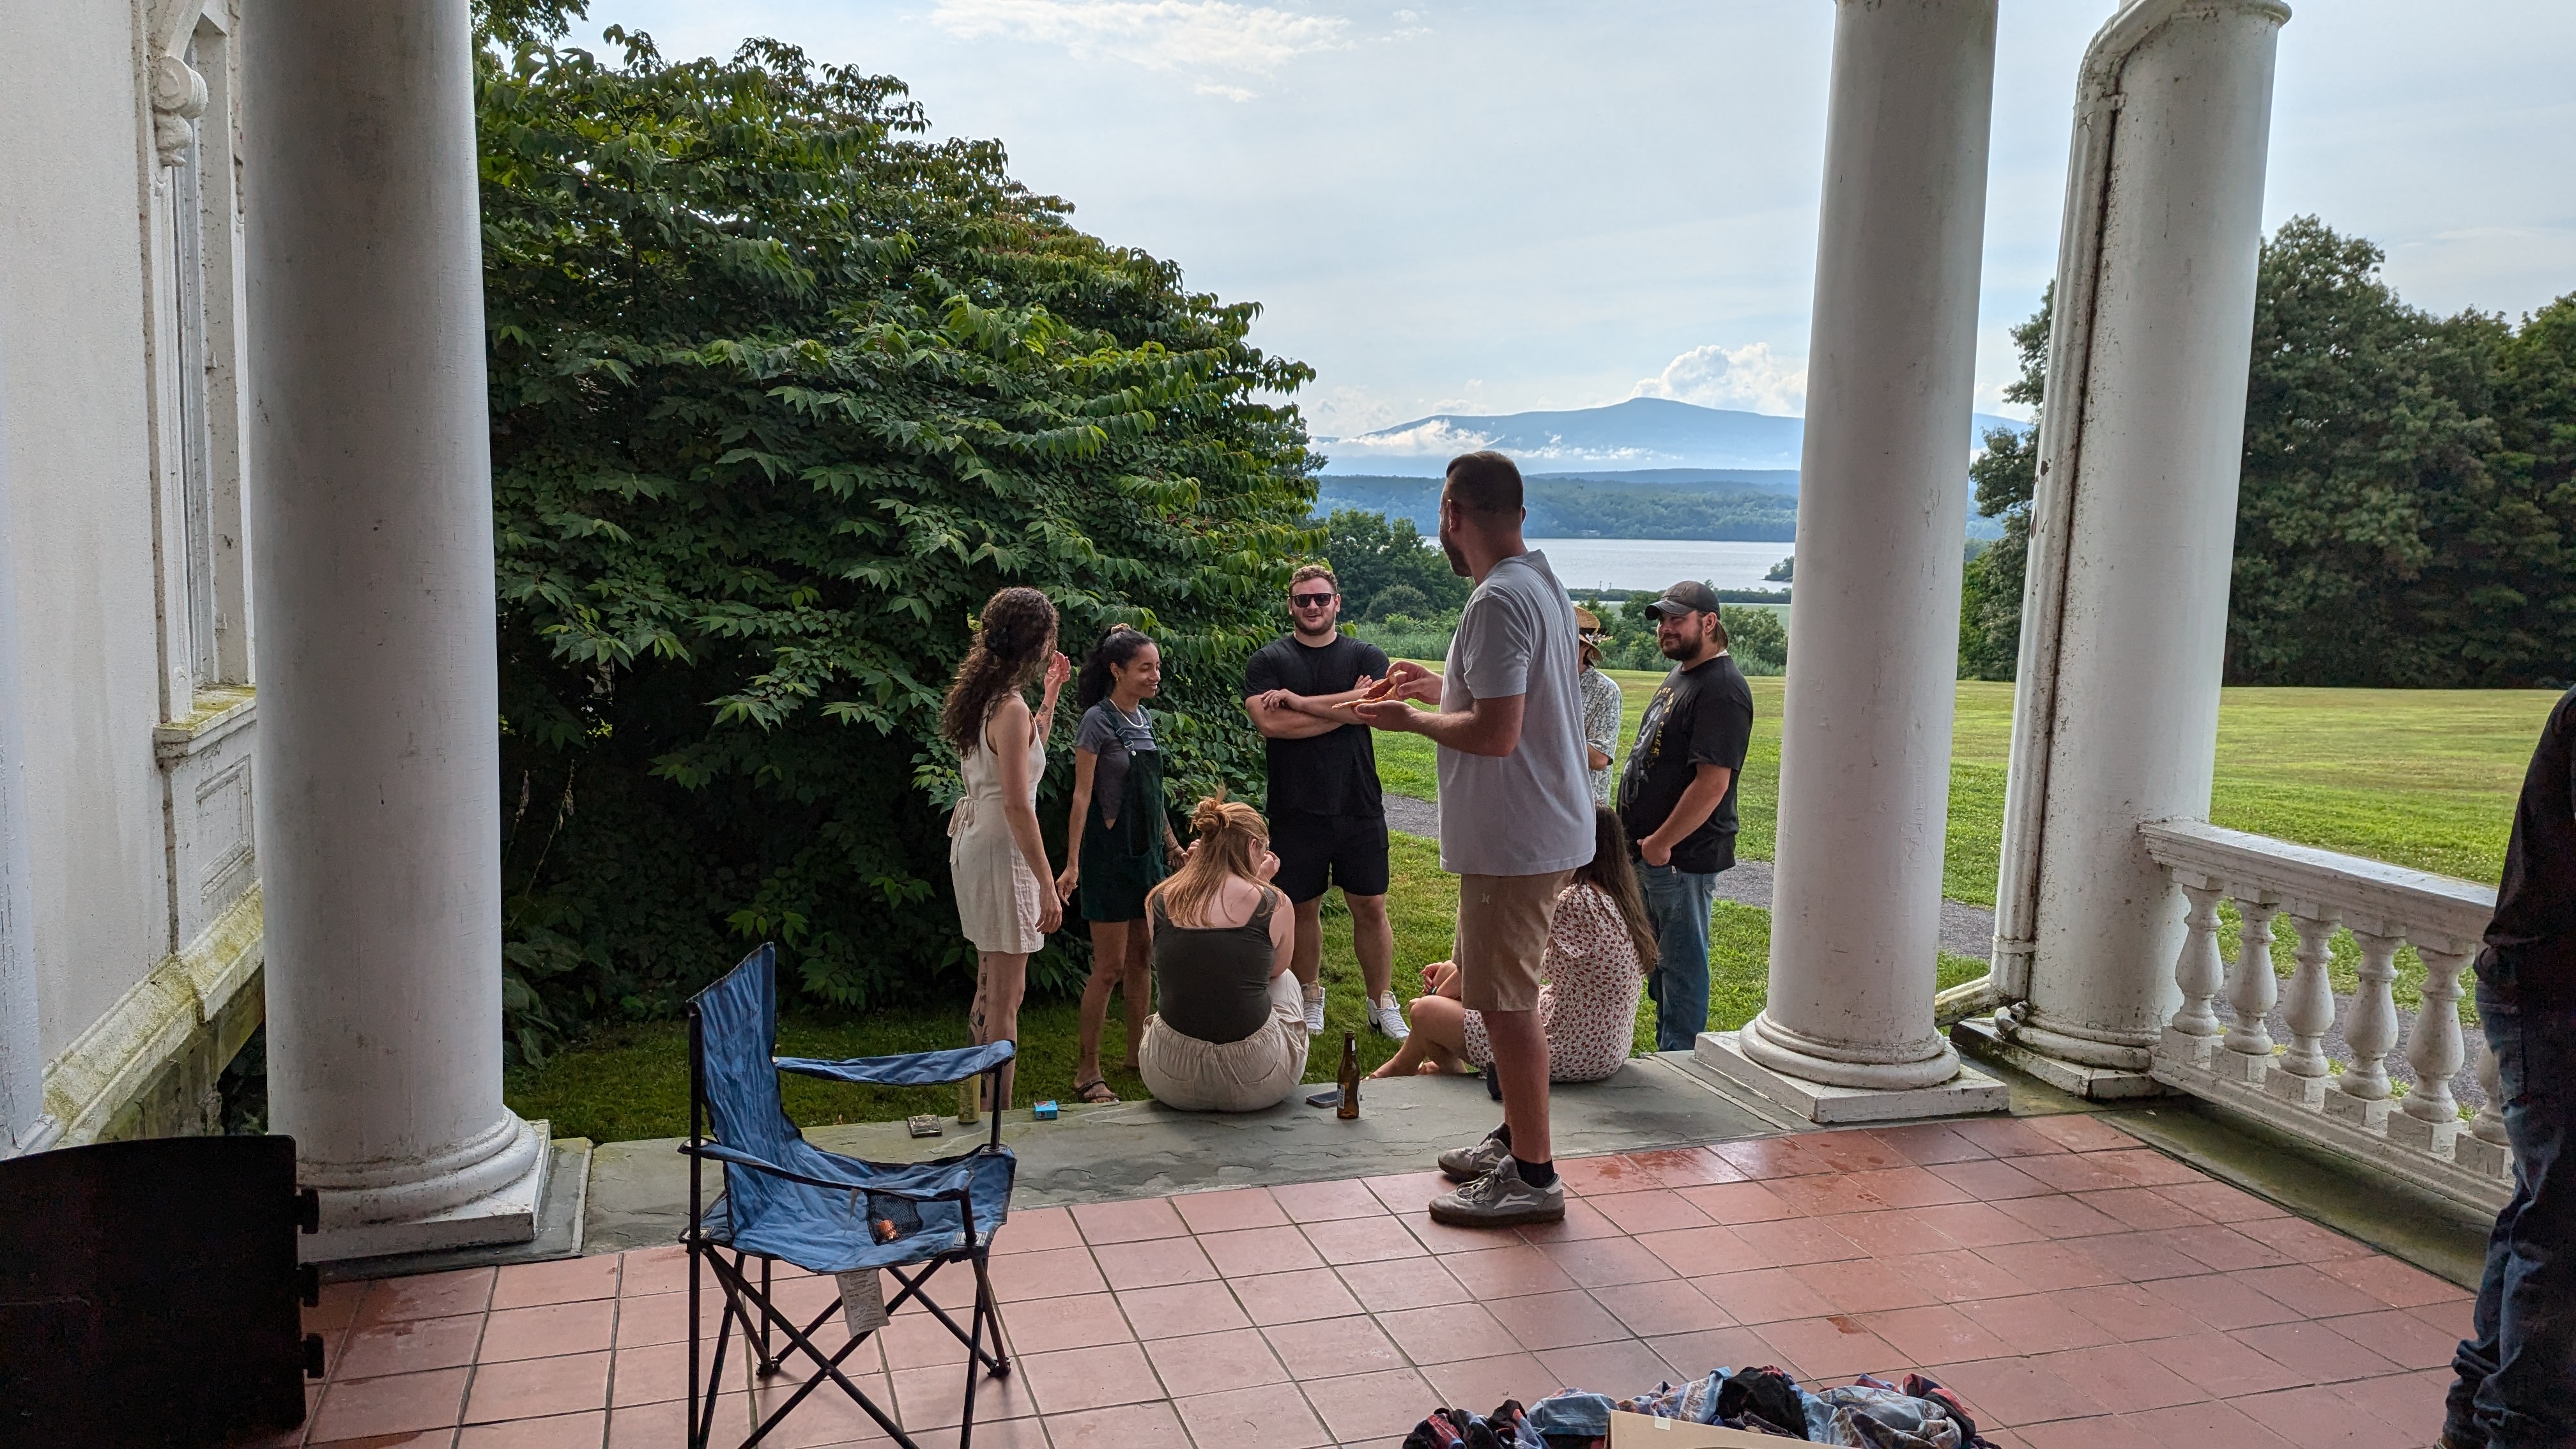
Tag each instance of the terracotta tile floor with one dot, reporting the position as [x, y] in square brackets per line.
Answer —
[2074, 1287]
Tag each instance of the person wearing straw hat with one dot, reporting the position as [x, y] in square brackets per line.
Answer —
[1600, 704]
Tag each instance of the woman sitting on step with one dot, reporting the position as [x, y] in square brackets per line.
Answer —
[1230, 1035]
[1599, 948]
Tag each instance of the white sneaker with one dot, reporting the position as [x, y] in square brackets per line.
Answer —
[1388, 1018]
[1315, 1009]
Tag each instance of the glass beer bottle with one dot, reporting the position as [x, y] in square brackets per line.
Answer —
[1350, 1103]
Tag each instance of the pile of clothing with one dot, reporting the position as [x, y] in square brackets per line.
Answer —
[1868, 1413]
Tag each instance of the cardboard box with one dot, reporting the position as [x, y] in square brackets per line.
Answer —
[1644, 1431]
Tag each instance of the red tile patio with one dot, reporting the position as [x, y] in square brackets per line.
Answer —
[2073, 1286]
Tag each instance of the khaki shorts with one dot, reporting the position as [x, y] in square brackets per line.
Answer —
[1502, 937]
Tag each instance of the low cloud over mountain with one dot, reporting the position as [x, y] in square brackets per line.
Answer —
[1643, 432]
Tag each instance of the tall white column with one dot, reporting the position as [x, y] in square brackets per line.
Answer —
[378, 759]
[1882, 508]
[2135, 529]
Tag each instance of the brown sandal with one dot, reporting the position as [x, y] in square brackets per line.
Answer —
[1097, 1092]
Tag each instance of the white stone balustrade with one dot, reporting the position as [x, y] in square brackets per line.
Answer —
[2420, 1137]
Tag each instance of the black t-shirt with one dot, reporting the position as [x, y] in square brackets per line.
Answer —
[1700, 716]
[2531, 942]
[1334, 773]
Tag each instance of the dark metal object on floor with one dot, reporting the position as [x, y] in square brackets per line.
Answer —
[148, 1293]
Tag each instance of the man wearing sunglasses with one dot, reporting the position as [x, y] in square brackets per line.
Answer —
[1327, 817]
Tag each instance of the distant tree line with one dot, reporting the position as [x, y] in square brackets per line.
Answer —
[1600, 508]
[2407, 512]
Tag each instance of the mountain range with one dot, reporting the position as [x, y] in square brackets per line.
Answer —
[1625, 439]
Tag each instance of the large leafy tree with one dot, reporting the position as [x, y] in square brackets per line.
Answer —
[781, 392]
[2407, 508]
[2006, 476]
[2366, 432]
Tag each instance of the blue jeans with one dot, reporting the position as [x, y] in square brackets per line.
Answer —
[2517, 1379]
[1678, 902]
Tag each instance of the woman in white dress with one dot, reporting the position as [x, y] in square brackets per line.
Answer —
[996, 858]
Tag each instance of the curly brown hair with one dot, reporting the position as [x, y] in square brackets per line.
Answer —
[1010, 648]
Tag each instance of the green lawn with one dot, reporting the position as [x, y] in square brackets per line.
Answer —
[2421, 778]
[2425, 779]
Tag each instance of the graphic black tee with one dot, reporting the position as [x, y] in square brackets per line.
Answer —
[2531, 942]
[1699, 716]
[1334, 773]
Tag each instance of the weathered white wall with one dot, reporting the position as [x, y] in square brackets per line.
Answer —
[143, 931]
[73, 163]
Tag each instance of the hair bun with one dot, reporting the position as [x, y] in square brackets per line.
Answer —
[1210, 816]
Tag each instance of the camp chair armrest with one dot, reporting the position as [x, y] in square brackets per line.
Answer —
[739, 1158]
[910, 1069]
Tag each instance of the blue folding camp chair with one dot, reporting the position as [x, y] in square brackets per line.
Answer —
[786, 1199]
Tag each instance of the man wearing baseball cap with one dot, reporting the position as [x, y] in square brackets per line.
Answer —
[1677, 799]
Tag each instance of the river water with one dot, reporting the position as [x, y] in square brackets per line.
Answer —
[1658, 563]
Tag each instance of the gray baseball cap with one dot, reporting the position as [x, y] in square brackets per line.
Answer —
[1690, 596]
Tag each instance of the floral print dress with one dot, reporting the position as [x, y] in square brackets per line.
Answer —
[1589, 1002]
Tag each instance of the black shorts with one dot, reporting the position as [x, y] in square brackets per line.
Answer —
[1349, 849]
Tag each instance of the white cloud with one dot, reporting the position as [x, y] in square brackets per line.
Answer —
[1180, 37]
[1431, 438]
[1747, 378]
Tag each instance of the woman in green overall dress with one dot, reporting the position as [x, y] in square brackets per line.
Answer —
[1118, 838]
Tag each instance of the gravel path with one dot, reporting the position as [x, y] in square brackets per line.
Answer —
[1968, 930]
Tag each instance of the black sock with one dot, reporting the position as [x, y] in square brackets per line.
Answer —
[1502, 1134]
[1536, 1174]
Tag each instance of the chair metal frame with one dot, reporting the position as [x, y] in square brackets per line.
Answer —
[743, 1297]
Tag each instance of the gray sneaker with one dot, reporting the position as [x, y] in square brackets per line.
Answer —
[1315, 1009]
[1499, 1199]
[1466, 1164]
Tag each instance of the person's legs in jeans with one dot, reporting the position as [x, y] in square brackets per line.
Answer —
[2517, 1377]
[1678, 903]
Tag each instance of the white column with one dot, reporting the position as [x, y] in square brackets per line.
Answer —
[24, 1127]
[2136, 531]
[378, 815]
[1882, 506]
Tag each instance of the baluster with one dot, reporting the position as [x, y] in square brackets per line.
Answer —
[2430, 1119]
[2251, 989]
[2193, 1034]
[2300, 1074]
[2370, 1029]
[2486, 1150]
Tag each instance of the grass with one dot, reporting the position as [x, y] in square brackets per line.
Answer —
[2419, 778]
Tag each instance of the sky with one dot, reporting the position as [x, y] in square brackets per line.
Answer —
[1492, 208]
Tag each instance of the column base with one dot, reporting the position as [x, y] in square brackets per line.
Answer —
[507, 1214]
[1978, 1037]
[1968, 1093]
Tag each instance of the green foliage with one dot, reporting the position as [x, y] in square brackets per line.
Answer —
[781, 393]
[2007, 478]
[1757, 635]
[1781, 572]
[2407, 510]
[1370, 555]
[2373, 545]
[1399, 601]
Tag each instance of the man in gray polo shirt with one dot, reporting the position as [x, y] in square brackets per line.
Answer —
[1515, 816]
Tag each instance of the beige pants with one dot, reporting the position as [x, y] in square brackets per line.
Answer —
[1236, 1076]
[1502, 937]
